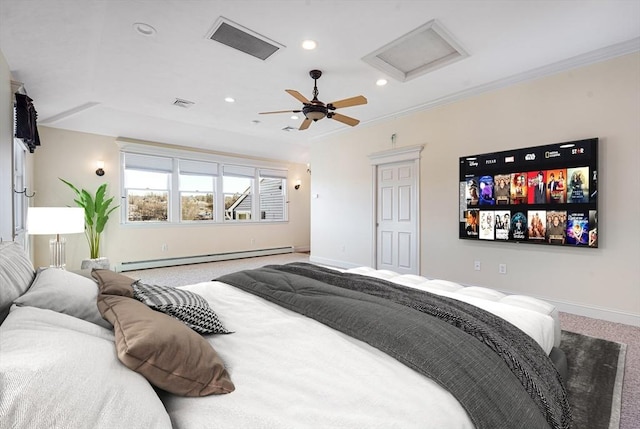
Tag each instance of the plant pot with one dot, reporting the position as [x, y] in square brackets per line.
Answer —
[99, 263]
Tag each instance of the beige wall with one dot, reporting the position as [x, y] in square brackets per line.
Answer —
[601, 100]
[72, 156]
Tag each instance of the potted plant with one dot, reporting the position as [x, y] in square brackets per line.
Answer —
[96, 214]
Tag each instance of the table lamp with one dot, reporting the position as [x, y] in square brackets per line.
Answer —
[55, 221]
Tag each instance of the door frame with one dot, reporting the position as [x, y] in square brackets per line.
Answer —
[403, 154]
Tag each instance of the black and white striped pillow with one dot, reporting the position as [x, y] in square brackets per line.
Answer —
[189, 307]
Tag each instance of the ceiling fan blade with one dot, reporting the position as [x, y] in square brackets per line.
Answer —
[305, 124]
[280, 111]
[345, 119]
[348, 102]
[295, 94]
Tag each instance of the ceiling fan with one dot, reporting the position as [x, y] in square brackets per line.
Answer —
[315, 109]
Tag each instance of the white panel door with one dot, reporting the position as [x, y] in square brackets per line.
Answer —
[397, 218]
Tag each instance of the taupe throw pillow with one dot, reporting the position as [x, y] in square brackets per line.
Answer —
[163, 349]
[112, 283]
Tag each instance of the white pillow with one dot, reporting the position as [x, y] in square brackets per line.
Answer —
[64, 292]
[58, 371]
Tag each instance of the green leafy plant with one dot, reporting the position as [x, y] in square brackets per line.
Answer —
[96, 214]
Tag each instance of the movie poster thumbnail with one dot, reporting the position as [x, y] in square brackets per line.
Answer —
[556, 227]
[486, 191]
[519, 188]
[487, 224]
[502, 188]
[537, 189]
[471, 223]
[578, 228]
[537, 225]
[502, 223]
[578, 189]
[593, 228]
[463, 200]
[471, 193]
[557, 186]
[518, 230]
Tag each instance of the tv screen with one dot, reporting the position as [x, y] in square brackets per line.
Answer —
[546, 195]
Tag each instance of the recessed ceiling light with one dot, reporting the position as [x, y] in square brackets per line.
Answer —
[381, 82]
[229, 99]
[144, 29]
[294, 117]
[309, 45]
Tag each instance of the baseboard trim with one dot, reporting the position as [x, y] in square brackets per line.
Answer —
[333, 263]
[602, 313]
[594, 312]
[171, 262]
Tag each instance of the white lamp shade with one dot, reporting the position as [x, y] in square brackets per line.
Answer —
[55, 220]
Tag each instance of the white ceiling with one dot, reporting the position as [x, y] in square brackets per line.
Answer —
[88, 70]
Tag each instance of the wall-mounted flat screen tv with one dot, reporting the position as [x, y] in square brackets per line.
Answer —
[547, 195]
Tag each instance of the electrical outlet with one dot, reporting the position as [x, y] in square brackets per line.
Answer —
[502, 268]
[476, 265]
[253, 241]
[164, 247]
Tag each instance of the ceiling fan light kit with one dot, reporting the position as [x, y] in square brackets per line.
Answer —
[314, 109]
[314, 112]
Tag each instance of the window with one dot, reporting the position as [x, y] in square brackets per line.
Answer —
[237, 188]
[197, 190]
[146, 186]
[272, 195]
[168, 187]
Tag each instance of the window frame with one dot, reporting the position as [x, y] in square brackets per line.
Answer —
[151, 164]
[265, 174]
[189, 167]
[219, 164]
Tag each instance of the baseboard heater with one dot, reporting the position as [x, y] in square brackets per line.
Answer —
[171, 262]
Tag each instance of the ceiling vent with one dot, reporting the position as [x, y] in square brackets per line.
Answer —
[183, 103]
[238, 37]
[422, 50]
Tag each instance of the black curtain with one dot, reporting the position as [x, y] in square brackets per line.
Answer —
[26, 118]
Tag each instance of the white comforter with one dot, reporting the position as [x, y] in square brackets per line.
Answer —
[293, 372]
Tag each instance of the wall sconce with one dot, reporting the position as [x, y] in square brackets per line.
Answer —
[298, 183]
[100, 170]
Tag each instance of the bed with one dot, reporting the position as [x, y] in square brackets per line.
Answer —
[288, 346]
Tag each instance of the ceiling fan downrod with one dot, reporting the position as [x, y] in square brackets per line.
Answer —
[315, 75]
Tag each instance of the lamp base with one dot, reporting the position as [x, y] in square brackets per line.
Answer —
[57, 253]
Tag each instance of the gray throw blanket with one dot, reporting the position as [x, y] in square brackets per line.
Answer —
[499, 374]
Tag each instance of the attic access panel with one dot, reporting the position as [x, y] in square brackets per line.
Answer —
[420, 51]
[242, 39]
